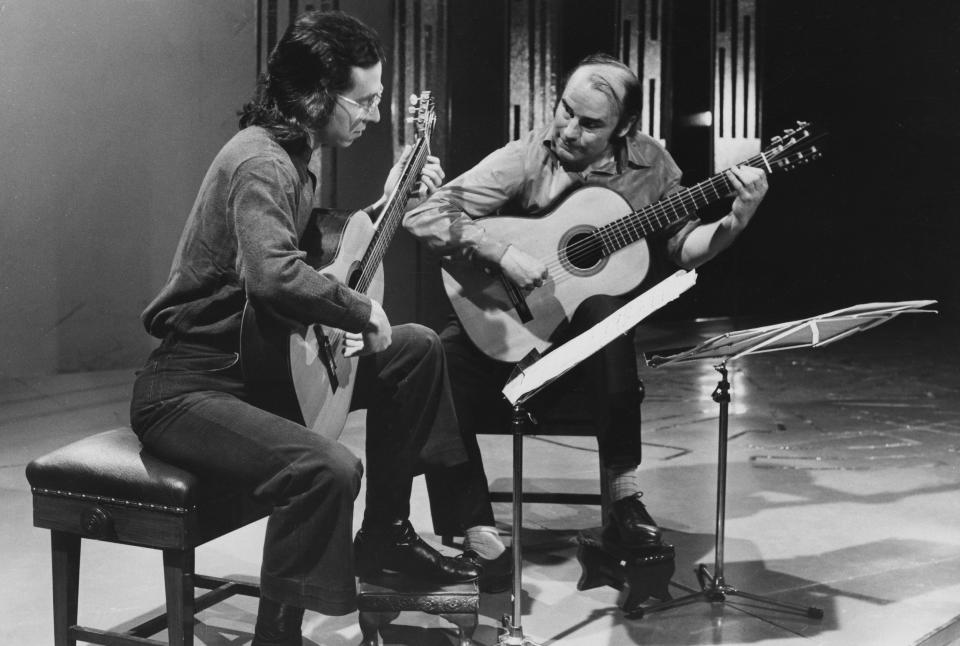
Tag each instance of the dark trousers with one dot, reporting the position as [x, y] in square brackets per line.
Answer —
[607, 385]
[190, 407]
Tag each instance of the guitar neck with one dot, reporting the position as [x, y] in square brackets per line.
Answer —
[670, 210]
[392, 215]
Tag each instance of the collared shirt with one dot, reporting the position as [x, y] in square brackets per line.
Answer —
[525, 178]
[240, 242]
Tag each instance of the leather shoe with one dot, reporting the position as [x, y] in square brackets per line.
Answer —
[277, 624]
[630, 525]
[399, 549]
[495, 574]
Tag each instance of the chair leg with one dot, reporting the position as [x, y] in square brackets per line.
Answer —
[65, 551]
[178, 580]
[605, 501]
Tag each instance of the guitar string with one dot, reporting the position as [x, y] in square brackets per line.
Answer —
[626, 229]
[638, 224]
[390, 217]
[379, 247]
[648, 217]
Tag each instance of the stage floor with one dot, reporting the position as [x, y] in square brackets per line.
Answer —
[843, 478]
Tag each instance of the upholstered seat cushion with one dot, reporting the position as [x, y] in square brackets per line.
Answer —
[113, 465]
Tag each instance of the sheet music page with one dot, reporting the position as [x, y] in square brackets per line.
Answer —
[566, 356]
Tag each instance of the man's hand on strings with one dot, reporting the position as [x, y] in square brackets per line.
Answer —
[431, 178]
[525, 271]
[751, 185]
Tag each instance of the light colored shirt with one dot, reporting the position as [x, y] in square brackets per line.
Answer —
[525, 178]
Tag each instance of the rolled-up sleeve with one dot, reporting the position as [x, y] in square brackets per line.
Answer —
[262, 202]
[446, 221]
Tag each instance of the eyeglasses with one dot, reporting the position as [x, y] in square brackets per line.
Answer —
[368, 106]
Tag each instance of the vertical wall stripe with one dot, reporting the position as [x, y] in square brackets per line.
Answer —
[419, 64]
[736, 91]
[533, 68]
[641, 45]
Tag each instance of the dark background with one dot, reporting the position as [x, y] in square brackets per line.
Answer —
[873, 220]
[112, 114]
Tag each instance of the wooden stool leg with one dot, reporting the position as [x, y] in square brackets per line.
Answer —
[178, 580]
[596, 568]
[370, 623]
[65, 550]
[466, 624]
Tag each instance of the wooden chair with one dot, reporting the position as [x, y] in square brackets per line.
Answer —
[567, 415]
[106, 488]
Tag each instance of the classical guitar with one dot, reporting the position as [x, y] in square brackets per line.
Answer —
[592, 243]
[348, 248]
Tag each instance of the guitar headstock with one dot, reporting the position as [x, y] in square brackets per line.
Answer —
[422, 114]
[794, 148]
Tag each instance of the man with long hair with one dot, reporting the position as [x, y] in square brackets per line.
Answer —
[239, 248]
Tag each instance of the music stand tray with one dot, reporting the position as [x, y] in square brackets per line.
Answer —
[811, 332]
[534, 373]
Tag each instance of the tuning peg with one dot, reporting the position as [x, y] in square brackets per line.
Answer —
[412, 110]
[413, 99]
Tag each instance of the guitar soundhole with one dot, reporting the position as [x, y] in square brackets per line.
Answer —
[581, 251]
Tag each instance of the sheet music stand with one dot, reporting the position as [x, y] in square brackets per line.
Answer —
[533, 374]
[812, 332]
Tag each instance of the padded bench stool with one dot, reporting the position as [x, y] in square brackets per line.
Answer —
[106, 488]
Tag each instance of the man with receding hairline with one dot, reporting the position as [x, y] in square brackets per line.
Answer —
[592, 141]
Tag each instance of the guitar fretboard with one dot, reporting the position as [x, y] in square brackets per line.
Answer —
[674, 208]
[392, 215]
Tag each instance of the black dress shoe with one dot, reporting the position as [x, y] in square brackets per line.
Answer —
[277, 624]
[630, 525]
[495, 574]
[399, 549]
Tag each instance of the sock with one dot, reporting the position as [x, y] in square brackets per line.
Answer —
[623, 482]
[485, 541]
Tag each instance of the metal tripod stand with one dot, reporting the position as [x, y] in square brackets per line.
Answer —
[713, 587]
[511, 629]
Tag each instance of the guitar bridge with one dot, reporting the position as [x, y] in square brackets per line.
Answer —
[325, 353]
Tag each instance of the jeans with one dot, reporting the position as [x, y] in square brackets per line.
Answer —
[190, 407]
